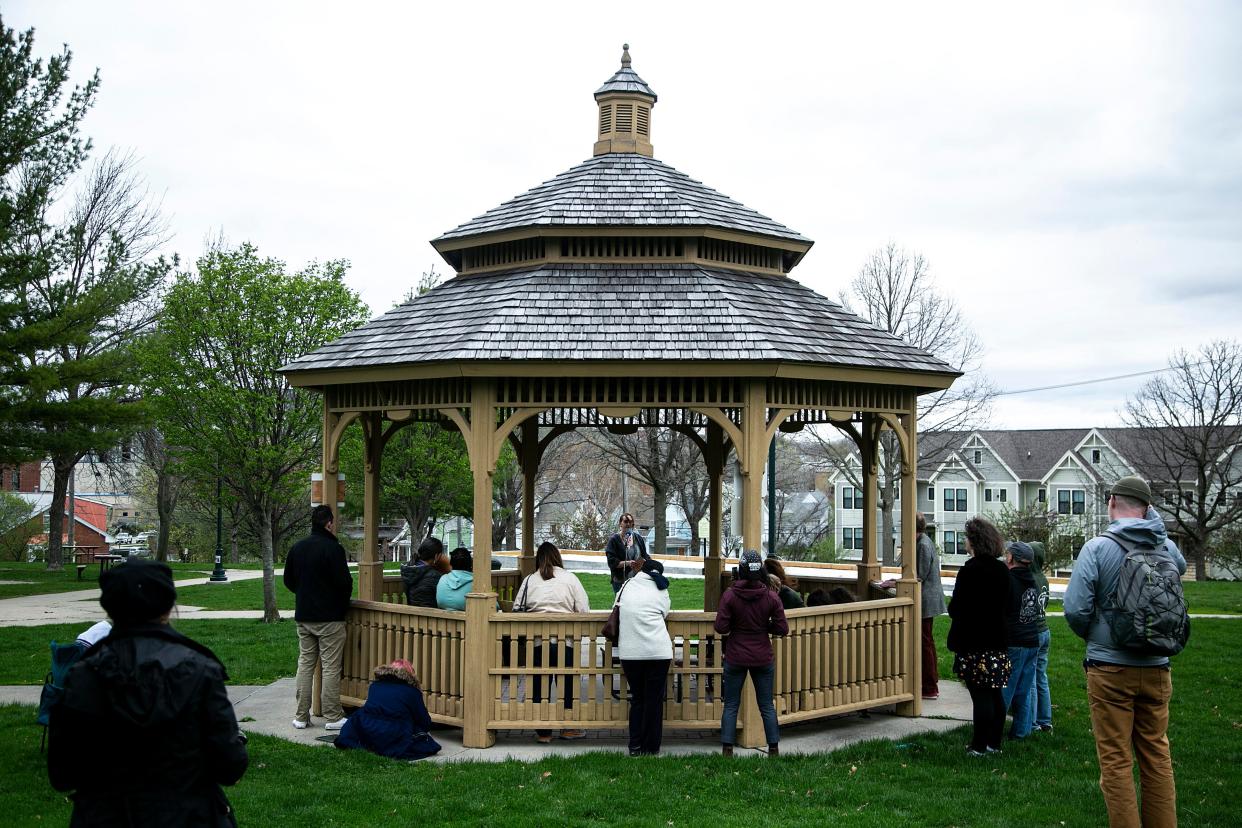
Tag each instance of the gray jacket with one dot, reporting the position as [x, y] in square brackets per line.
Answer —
[1094, 580]
[928, 571]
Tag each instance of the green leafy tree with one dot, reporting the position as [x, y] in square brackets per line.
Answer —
[79, 285]
[18, 524]
[425, 474]
[227, 330]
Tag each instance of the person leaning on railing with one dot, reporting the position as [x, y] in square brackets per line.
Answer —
[552, 588]
[646, 652]
[748, 614]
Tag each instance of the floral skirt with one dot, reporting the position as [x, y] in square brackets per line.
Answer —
[985, 668]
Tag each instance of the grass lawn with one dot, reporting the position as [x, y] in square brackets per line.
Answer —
[37, 580]
[253, 652]
[924, 781]
[1212, 597]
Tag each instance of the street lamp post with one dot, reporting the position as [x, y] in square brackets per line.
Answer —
[218, 575]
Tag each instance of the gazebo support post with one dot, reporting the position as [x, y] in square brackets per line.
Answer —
[370, 568]
[908, 586]
[714, 460]
[481, 603]
[869, 568]
[752, 454]
[529, 456]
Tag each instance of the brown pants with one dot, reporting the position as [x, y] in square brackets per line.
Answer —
[931, 671]
[322, 641]
[1130, 709]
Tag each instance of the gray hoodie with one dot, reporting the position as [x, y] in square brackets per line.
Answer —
[1094, 580]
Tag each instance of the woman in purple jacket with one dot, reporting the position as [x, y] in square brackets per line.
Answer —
[749, 612]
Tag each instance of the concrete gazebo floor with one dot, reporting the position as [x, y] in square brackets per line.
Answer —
[269, 710]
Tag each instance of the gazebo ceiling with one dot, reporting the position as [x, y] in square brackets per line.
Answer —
[621, 266]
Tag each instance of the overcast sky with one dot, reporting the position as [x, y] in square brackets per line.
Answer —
[1072, 171]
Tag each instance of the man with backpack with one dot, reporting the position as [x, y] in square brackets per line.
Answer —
[1125, 599]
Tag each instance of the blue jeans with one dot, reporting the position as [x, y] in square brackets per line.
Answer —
[1021, 681]
[734, 678]
[1041, 701]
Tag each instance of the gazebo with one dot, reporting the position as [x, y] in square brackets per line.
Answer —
[623, 294]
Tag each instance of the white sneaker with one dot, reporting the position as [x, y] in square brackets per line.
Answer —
[337, 725]
[300, 725]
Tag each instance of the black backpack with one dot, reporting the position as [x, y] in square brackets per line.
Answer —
[1147, 612]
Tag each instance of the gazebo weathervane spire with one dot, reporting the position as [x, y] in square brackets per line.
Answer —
[625, 101]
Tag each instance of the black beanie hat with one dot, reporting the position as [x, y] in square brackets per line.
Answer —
[137, 591]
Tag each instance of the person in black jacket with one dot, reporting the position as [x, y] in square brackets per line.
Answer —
[145, 733]
[623, 546]
[421, 578]
[318, 575]
[977, 634]
[1023, 615]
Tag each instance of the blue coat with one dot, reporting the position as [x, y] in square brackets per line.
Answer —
[393, 722]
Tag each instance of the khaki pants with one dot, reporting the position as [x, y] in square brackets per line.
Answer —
[320, 641]
[1130, 710]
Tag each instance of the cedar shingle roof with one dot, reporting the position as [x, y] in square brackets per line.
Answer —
[626, 79]
[610, 312]
[627, 190]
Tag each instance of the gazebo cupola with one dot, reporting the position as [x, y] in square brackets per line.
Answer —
[625, 101]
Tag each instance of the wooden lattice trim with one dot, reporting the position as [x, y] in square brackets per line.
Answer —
[646, 392]
[401, 395]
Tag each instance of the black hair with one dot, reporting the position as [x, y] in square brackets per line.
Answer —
[461, 559]
[321, 516]
[430, 549]
[818, 598]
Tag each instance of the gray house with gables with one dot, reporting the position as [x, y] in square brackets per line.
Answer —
[963, 474]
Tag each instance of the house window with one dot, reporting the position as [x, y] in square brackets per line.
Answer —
[955, 500]
[1004, 495]
[1071, 502]
[978, 456]
[852, 538]
[987, 495]
[1095, 456]
[851, 498]
[931, 493]
[954, 543]
[1188, 498]
[1042, 496]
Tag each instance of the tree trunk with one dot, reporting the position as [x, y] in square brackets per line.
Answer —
[1196, 554]
[56, 515]
[165, 504]
[660, 497]
[267, 528]
[234, 539]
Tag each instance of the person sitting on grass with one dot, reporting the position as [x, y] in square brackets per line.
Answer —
[145, 733]
[452, 589]
[394, 721]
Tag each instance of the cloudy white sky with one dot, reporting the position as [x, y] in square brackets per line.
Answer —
[1072, 171]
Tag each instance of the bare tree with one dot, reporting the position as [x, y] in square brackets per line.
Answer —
[155, 458]
[654, 456]
[895, 292]
[100, 290]
[1186, 432]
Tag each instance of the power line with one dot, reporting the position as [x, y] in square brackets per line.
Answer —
[1086, 382]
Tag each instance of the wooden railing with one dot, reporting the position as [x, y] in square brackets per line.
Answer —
[835, 659]
[432, 640]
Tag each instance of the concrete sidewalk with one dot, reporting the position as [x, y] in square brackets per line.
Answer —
[269, 710]
[82, 606]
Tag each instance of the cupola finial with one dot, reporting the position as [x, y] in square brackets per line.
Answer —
[625, 101]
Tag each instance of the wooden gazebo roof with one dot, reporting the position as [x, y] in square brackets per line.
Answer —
[621, 260]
